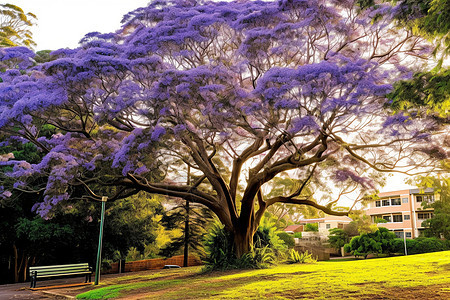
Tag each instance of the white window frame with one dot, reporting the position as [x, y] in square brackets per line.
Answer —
[396, 215]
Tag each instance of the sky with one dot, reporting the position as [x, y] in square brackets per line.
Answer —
[62, 24]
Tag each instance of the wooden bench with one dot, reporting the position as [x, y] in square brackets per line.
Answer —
[58, 271]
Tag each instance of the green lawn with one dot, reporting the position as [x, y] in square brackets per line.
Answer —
[423, 276]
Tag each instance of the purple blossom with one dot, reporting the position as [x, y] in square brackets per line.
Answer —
[306, 123]
[158, 131]
[6, 194]
[346, 174]
[397, 119]
[20, 57]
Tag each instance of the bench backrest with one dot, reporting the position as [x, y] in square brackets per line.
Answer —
[56, 270]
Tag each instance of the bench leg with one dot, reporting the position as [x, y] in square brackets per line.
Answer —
[33, 281]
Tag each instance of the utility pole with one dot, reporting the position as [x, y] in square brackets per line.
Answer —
[186, 224]
[100, 241]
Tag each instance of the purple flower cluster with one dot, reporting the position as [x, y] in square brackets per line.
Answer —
[346, 175]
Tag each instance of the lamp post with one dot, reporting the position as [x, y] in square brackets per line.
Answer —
[186, 224]
[404, 241]
[100, 240]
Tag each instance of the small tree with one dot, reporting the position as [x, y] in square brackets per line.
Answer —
[439, 225]
[338, 238]
[378, 242]
[312, 227]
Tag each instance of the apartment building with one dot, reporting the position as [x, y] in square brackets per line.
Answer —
[402, 210]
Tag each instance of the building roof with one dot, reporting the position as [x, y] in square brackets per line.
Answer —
[292, 227]
[421, 191]
[329, 218]
[306, 221]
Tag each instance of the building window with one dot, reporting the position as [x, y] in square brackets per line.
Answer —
[406, 217]
[386, 202]
[328, 226]
[397, 218]
[408, 234]
[396, 201]
[424, 216]
[425, 198]
[378, 203]
[404, 200]
[398, 234]
[387, 218]
[428, 198]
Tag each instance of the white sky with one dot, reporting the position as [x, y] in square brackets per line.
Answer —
[63, 23]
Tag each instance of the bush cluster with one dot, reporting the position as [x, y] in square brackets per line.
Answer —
[383, 241]
[269, 247]
[421, 245]
[378, 242]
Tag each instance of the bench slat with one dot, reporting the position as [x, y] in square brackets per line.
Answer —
[60, 274]
[59, 266]
[60, 270]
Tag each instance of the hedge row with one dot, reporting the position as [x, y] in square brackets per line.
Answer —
[421, 245]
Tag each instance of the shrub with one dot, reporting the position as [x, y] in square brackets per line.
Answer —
[338, 238]
[267, 235]
[287, 238]
[219, 249]
[312, 227]
[297, 235]
[421, 245]
[380, 220]
[133, 254]
[262, 257]
[378, 242]
[295, 257]
[220, 254]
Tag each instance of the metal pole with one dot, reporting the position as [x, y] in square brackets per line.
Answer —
[100, 240]
[404, 241]
[186, 224]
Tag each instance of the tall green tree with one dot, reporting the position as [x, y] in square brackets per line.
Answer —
[199, 221]
[428, 92]
[338, 238]
[15, 26]
[439, 225]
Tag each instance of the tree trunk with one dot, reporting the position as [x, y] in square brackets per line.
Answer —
[243, 239]
[186, 237]
[16, 266]
[27, 259]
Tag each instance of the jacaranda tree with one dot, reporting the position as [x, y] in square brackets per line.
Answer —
[240, 91]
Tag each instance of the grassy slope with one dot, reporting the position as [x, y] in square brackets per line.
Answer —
[424, 276]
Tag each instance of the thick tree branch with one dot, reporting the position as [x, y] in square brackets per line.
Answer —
[308, 202]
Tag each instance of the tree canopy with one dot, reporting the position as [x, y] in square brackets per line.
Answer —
[240, 91]
[428, 92]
